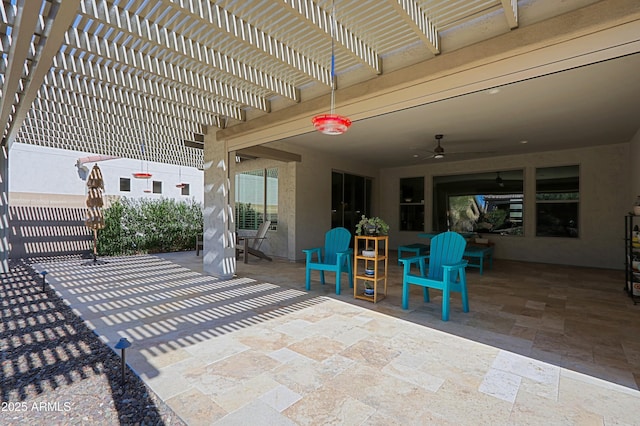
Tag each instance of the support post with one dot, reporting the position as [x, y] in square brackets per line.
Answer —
[218, 257]
[4, 209]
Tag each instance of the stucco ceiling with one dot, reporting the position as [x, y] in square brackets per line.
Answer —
[592, 105]
[147, 78]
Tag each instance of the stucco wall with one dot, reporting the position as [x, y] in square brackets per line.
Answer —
[605, 188]
[313, 204]
[604, 200]
[38, 231]
[634, 167]
[277, 242]
[39, 173]
[304, 198]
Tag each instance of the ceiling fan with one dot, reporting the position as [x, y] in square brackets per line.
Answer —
[439, 153]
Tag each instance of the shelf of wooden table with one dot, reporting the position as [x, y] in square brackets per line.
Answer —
[380, 246]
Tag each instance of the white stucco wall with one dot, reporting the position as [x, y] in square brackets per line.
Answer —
[38, 172]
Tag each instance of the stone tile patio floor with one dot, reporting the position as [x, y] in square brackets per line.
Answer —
[542, 344]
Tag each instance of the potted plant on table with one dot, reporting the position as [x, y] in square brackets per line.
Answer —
[371, 226]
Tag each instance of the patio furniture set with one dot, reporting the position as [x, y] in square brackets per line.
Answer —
[245, 244]
[476, 252]
[441, 265]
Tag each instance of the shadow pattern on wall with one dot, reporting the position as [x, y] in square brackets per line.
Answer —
[46, 232]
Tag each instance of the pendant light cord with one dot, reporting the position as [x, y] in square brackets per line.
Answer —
[333, 56]
[142, 158]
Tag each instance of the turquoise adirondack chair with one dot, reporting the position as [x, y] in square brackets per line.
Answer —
[446, 271]
[334, 256]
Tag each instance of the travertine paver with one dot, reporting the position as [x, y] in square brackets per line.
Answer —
[249, 351]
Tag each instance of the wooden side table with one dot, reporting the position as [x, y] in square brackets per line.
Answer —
[370, 286]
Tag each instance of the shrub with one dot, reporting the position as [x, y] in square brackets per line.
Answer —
[149, 226]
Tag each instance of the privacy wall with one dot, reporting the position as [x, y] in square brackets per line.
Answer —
[36, 232]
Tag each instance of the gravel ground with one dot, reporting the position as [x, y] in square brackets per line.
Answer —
[56, 371]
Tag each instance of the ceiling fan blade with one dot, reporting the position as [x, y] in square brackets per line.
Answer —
[471, 152]
[439, 152]
[421, 158]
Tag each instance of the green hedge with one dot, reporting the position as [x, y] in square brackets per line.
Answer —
[144, 225]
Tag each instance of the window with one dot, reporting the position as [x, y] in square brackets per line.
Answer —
[185, 189]
[157, 187]
[125, 185]
[557, 201]
[256, 195]
[412, 204]
[479, 202]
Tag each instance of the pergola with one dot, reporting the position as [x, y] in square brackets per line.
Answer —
[106, 76]
[148, 79]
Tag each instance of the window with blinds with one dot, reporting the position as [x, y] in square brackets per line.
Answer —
[256, 197]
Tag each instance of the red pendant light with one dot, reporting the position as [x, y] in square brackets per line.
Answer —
[147, 190]
[142, 175]
[332, 123]
[181, 184]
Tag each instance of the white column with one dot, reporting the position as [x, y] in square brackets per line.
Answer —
[4, 209]
[218, 257]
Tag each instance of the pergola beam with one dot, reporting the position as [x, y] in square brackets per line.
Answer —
[173, 92]
[61, 16]
[318, 17]
[259, 151]
[417, 19]
[134, 61]
[511, 12]
[25, 24]
[132, 121]
[190, 50]
[216, 15]
[96, 140]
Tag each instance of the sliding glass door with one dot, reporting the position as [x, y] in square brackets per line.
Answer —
[350, 199]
